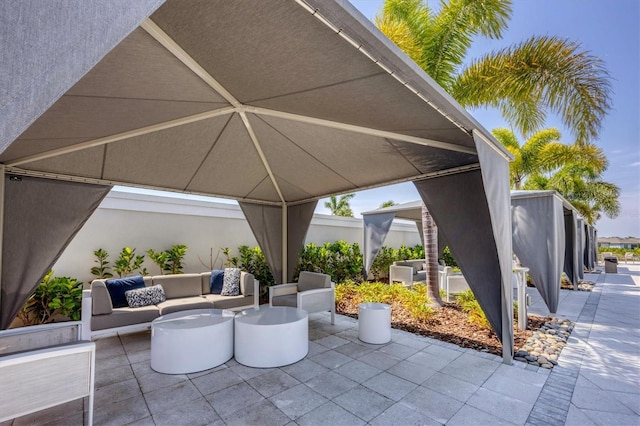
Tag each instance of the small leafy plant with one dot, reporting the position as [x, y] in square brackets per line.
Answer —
[469, 304]
[128, 262]
[54, 297]
[169, 261]
[102, 270]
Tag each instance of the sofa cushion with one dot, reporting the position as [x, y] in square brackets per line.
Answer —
[179, 285]
[285, 300]
[229, 302]
[100, 299]
[247, 282]
[117, 287]
[216, 281]
[183, 304]
[311, 280]
[125, 316]
[231, 286]
[145, 296]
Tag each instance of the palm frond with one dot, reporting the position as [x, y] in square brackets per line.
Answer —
[453, 30]
[548, 72]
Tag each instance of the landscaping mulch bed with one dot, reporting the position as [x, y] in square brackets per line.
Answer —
[451, 324]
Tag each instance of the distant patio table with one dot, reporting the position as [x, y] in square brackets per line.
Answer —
[271, 336]
[374, 323]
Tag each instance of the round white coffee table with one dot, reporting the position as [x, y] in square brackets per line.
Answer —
[191, 341]
[374, 323]
[271, 336]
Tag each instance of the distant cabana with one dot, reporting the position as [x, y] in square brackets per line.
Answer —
[548, 237]
[545, 239]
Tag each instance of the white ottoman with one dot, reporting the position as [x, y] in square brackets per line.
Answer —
[271, 336]
[191, 341]
[374, 323]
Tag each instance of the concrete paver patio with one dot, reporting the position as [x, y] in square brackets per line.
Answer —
[411, 380]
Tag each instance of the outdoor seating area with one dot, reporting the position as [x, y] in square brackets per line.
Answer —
[274, 107]
[344, 380]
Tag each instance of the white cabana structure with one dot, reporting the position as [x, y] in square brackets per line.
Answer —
[546, 238]
[275, 104]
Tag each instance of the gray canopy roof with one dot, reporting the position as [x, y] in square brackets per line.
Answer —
[547, 237]
[276, 104]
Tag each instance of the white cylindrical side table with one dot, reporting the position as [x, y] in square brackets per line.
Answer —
[190, 341]
[271, 336]
[374, 323]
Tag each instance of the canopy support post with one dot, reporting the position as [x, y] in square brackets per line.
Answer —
[2, 183]
[285, 246]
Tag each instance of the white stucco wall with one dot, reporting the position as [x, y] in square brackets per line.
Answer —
[143, 222]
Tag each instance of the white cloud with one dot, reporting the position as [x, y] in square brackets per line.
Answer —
[636, 164]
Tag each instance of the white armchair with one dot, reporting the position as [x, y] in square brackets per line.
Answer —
[313, 292]
[407, 272]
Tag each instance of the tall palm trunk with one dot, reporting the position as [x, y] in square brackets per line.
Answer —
[430, 234]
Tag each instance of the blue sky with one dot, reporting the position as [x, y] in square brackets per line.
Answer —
[607, 29]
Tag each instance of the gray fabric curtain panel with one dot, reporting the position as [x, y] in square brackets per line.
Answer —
[580, 247]
[299, 218]
[539, 243]
[594, 248]
[266, 224]
[459, 207]
[376, 228]
[41, 217]
[570, 250]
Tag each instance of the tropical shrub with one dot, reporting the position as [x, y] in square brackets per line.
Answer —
[447, 257]
[619, 252]
[102, 270]
[414, 300]
[341, 260]
[54, 297]
[252, 260]
[171, 260]
[128, 262]
[469, 304]
[386, 257]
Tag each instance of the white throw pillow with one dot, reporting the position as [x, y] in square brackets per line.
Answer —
[231, 285]
[145, 296]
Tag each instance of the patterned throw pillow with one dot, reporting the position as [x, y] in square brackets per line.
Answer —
[145, 296]
[231, 286]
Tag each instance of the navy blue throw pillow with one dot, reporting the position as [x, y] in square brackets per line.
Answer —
[217, 280]
[118, 286]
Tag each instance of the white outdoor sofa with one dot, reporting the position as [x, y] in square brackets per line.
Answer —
[183, 292]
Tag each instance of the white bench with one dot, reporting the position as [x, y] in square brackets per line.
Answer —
[35, 377]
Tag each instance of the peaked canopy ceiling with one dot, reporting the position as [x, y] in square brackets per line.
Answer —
[270, 102]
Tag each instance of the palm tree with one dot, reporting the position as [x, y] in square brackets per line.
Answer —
[430, 237]
[340, 206]
[387, 204]
[580, 185]
[544, 153]
[523, 81]
[544, 163]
